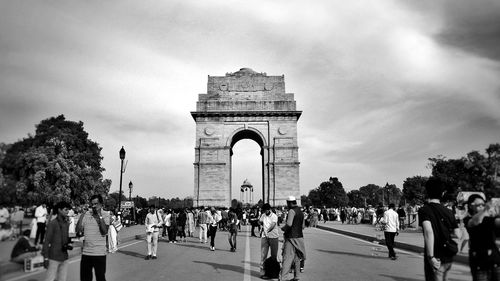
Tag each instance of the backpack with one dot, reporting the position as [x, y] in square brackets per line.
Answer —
[272, 268]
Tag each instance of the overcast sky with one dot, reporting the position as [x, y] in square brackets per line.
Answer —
[383, 85]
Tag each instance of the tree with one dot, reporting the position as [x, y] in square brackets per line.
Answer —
[372, 193]
[356, 199]
[58, 163]
[474, 172]
[330, 194]
[305, 201]
[414, 190]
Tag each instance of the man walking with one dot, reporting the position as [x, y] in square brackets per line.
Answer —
[270, 235]
[94, 225]
[438, 223]
[202, 221]
[57, 243]
[293, 247]
[153, 223]
[41, 218]
[391, 220]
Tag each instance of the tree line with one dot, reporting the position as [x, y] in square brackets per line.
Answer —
[59, 162]
[473, 172]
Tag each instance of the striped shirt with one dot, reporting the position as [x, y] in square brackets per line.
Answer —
[94, 243]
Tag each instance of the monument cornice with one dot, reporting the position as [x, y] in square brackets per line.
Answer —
[294, 113]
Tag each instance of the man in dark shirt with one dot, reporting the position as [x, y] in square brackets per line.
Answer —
[57, 243]
[437, 223]
[293, 244]
[23, 249]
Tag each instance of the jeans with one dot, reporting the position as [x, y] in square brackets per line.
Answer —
[172, 233]
[57, 270]
[40, 232]
[203, 232]
[213, 231]
[492, 274]
[97, 263]
[152, 240]
[265, 244]
[232, 238]
[389, 241]
[439, 274]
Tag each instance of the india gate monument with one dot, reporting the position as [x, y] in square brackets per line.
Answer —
[246, 105]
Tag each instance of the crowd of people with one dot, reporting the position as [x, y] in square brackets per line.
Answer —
[51, 233]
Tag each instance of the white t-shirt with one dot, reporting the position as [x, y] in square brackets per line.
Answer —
[267, 221]
[41, 214]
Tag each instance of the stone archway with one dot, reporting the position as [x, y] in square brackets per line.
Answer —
[245, 105]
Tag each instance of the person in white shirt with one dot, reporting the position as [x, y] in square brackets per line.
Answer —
[4, 216]
[41, 219]
[269, 237]
[153, 223]
[391, 220]
[213, 221]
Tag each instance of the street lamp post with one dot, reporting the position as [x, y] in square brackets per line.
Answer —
[383, 193]
[130, 186]
[122, 157]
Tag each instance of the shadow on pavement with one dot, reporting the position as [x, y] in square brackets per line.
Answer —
[352, 254]
[399, 278]
[238, 269]
[132, 254]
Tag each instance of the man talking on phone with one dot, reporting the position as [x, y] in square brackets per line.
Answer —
[93, 226]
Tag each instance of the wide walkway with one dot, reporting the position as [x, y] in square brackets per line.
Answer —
[409, 239]
[126, 234]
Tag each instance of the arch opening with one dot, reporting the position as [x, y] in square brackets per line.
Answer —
[245, 166]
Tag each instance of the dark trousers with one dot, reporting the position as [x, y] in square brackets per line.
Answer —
[98, 263]
[40, 232]
[389, 241]
[232, 238]
[212, 230]
[172, 233]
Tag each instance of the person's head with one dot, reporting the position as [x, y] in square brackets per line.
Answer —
[291, 202]
[435, 188]
[266, 208]
[27, 232]
[62, 208]
[475, 204]
[212, 210]
[392, 206]
[152, 209]
[96, 202]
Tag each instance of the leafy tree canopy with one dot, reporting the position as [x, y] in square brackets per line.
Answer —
[330, 193]
[414, 190]
[58, 163]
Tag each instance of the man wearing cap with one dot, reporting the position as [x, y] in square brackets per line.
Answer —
[270, 235]
[293, 247]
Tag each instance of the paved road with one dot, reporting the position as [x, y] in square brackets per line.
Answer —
[331, 256]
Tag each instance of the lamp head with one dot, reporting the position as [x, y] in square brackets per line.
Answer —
[122, 153]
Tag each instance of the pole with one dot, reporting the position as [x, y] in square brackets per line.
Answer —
[120, 193]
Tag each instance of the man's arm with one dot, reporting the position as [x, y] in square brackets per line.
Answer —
[103, 227]
[48, 240]
[79, 224]
[429, 243]
[289, 221]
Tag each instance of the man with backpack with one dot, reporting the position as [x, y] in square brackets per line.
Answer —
[269, 239]
[438, 224]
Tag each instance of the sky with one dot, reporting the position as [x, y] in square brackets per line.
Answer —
[383, 85]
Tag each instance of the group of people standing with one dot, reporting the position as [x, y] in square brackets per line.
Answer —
[208, 221]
